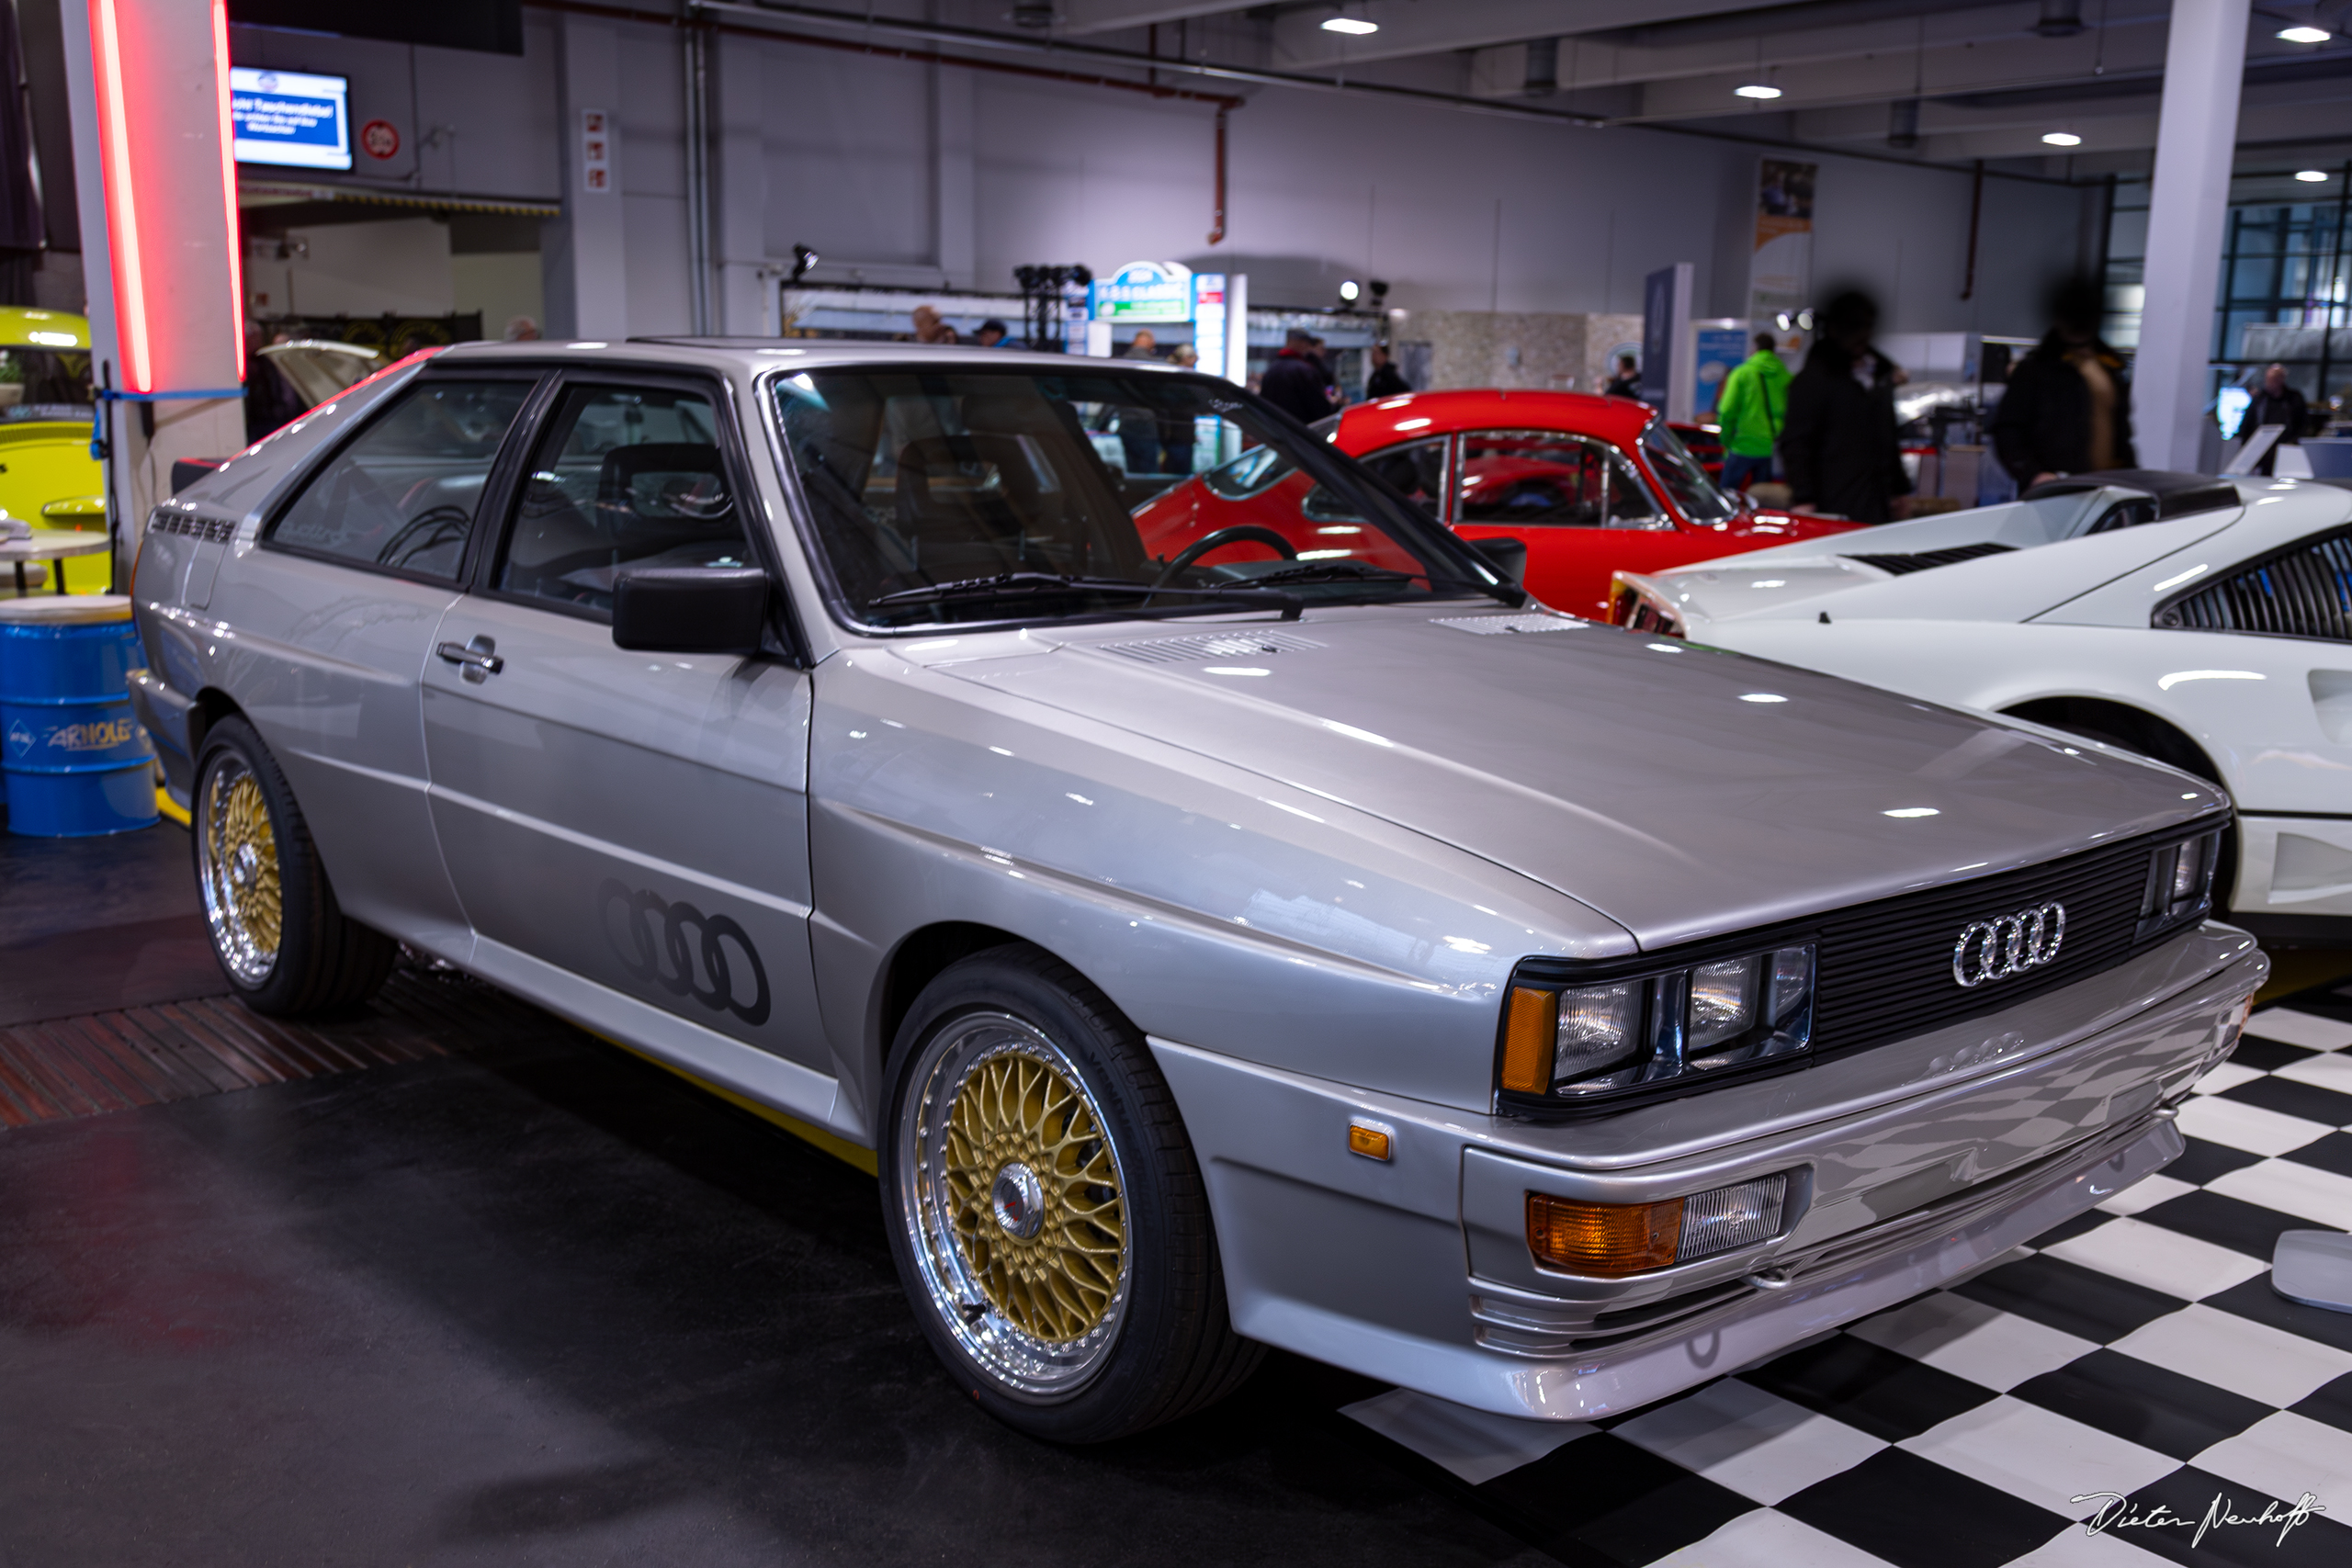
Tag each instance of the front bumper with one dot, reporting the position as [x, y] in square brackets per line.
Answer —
[1911, 1164]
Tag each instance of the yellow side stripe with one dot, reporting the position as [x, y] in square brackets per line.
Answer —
[171, 809]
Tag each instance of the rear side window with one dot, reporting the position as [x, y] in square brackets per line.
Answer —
[404, 495]
[624, 476]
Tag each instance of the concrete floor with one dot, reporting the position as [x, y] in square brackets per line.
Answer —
[553, 1305]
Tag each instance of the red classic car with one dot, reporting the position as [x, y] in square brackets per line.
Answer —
[1590, 485]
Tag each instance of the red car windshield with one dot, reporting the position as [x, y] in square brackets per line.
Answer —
[1684, 479]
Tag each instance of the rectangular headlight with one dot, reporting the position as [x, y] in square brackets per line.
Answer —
[1575, 1042]
[2180, 884]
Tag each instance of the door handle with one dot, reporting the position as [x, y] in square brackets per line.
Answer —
[477, 661]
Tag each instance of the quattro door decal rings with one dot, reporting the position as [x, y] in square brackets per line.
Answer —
[661, 942]
[1990, 950]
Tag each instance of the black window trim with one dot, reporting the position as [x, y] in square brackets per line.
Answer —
[733, 452]
[332, 452]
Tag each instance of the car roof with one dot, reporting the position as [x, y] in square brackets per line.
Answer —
[753, 356]
[1368, 425]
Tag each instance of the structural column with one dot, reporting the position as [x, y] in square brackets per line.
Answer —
[147, 85]
[2195, 142]
[584, 253]
[745, 287]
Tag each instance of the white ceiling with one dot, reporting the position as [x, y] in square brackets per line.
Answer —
[1991, 78]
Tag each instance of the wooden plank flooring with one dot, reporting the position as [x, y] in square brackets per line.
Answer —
[143, 1055]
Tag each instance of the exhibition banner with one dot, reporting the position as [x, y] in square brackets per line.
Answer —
[1779, 268]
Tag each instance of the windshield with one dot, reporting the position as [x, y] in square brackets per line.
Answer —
[1694, 493]
[948, 495]
[42, 384]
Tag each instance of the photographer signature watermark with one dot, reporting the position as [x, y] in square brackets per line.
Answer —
[2115, 1511]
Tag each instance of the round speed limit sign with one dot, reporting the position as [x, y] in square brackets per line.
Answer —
[379, 139]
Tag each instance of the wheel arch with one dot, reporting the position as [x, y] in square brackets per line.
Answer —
[2150, 734]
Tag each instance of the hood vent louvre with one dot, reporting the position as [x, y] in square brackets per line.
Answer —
[1209, 644]
[1903, 566]
[1499, 626]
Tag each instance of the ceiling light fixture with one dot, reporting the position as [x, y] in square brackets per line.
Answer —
[1758, 90]
[2305, 34]
[2311, 176]
[2062, 138]
[1354, 26]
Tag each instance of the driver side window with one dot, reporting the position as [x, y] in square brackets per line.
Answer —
[622, 477]
[1545, 478]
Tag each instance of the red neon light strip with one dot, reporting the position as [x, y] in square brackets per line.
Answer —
[122, 209]
[229, 188]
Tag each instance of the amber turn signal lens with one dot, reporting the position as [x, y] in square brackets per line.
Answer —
[1608, 1239]
[1528, 1039]
[1370, 1142]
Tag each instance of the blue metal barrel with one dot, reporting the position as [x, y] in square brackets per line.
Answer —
[73, 760]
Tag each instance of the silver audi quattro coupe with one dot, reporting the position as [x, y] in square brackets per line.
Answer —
[1222, 933]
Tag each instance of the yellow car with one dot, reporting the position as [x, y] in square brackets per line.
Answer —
[48, 478]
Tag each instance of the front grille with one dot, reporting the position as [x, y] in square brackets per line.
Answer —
[2304, 591]
[1921, 560]
[1885, 968]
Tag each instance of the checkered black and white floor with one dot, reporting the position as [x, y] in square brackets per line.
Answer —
[2137, 1350]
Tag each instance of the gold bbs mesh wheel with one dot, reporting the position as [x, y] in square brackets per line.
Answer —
[1018, 1219]
[238, 871]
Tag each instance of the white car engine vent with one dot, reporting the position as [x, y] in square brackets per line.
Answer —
[212, 530]
[1209, 644]
[1507, 625]
[1903, 566]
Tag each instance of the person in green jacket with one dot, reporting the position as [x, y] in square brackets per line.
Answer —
[1752, 409]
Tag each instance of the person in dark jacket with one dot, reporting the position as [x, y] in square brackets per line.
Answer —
[2068, 406]
[2274, 402]
[1387, 380]
[1627, 382]
[1297, 383]
[1838, 450]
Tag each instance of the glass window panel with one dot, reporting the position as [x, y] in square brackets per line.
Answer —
[978, 495]
[624, 476]
[404, 493]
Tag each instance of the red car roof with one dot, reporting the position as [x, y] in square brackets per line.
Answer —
[1367, 427]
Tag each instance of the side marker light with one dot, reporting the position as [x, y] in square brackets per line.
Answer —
[1370, 1139]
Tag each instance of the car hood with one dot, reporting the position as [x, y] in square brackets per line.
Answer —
[1682, 791]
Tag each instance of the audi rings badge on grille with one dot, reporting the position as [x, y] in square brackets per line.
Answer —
[684, 951]
[1992, 950]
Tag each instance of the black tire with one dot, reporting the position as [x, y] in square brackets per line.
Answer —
[252, 848]
[1163, 1346]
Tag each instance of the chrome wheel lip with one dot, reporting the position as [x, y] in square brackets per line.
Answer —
[1021, 1365]
[220, 876]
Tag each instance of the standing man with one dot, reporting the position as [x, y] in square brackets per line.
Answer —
[2067, 409]
[1753, 409]
[1839, 447]
[1628, 380]
[2274, 402]
[1297, 383]
[1387, 380]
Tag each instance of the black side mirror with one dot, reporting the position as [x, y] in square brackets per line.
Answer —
[690, 609]
[1505, 554]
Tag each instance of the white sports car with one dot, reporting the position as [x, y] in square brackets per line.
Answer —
[2203, 621]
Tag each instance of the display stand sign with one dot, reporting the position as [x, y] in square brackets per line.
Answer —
[1668, 366]
[1721, 347]
[1145, 293]
[1780, 267]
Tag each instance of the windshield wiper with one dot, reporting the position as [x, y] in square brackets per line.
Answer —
[1039, 584]
[1368, 574]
